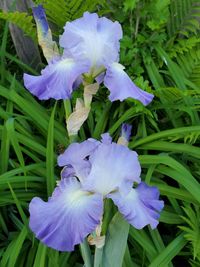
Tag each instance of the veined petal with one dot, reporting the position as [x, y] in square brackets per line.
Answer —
[75, 156]
[68, 216]
[113, 167]
[57, 79]
[141, 206]
[94, 38]
[121, 86]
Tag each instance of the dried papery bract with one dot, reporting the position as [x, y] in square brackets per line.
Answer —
[89, 91]
[82, 109]
[77, 118]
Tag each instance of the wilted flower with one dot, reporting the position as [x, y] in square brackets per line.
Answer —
[93, 171]
[91, 49]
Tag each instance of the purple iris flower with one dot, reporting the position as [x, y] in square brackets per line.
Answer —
[91, 48]
[93, 171]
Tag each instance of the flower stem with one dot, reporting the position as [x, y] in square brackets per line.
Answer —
[67, 107]
[98, 257]
[86, 253]
[72, 139]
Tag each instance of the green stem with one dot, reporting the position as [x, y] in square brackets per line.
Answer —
[98, 257]
[73, 139]
[67, 107]
[108, 214]
[86, 253]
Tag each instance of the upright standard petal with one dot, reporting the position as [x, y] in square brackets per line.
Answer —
[141, 206]
[94, 38]
[113, 167]
[106, 138]
[75, 156]
[68, 216]
[57, 79]
[121, 86]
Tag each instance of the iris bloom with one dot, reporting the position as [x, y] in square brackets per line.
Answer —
[93, 171]
[90, 48]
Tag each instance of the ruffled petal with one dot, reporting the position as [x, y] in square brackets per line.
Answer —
[57, 79]
[141, 206]
[106, 138]
[121, 86]
[75, 156]
[112, 167]
[68, 216]
[68, 172]
[91, 37]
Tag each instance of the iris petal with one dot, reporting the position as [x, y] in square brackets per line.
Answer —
[57, 79]
[68, 216]
[75, 156]
[94, 38]
[106, 138]
[113, 167]
[141, 206]
[121, 86]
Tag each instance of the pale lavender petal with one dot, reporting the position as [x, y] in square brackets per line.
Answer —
[77, 151]
[67, 172]
[121, 86]
[56, 80]
[106, 138]
[77, 82]
[75, 156]
[126, 131]
[94, 38]
[68, 216]
[99, 79]
[112, 166]
[141, 206]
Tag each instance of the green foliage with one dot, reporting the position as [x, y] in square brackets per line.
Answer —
[61, 11]
[184, 17]
[183, 45]
[190, 62]
[22, 20]
[130, 5]
[192, 230]
[159, 13]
